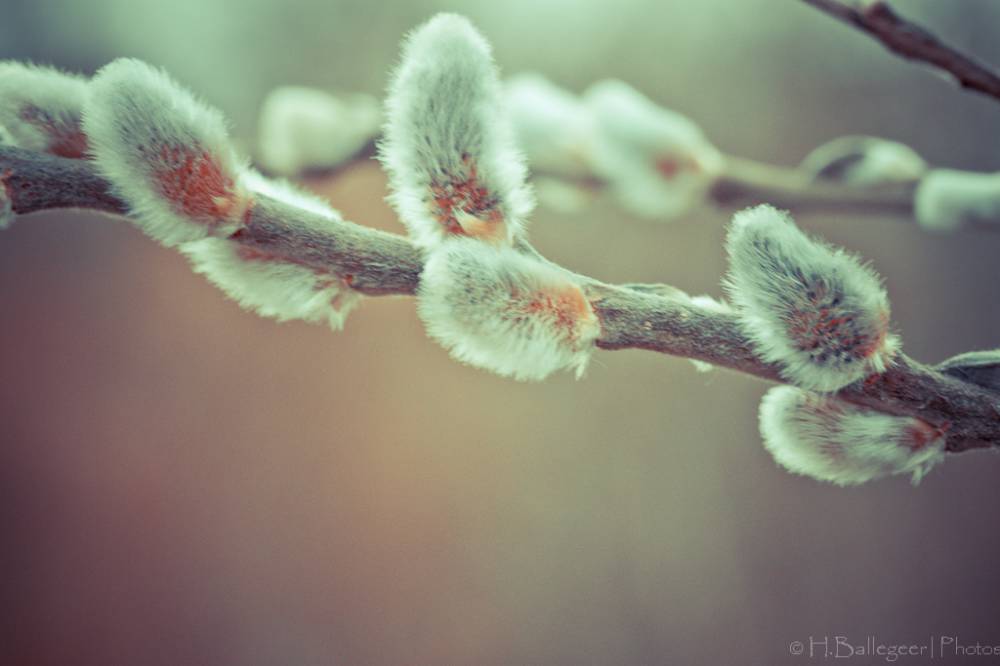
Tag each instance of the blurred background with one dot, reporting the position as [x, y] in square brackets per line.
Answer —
[182, 482]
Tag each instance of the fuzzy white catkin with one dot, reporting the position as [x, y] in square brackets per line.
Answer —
[864, 160]
[40, 108]
[6, 205]
[501, 310]
[267, 285]
[830, 440]
[658, 162]
[170, 158]
[561, 195]
[165, 153]
[552, 125]
[710, 303]
[947, 199]
[271, 288]
[811, 308]
[304, 128]
[448, 147]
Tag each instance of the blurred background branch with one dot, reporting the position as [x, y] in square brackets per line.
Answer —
[743, 182]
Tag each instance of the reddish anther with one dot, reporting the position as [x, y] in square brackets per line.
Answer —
[921, 433]
[64, 140]
[465, 207]
[196, 184]
[567, 307]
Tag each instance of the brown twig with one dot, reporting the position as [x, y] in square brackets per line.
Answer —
[379, 263]
[913, 42]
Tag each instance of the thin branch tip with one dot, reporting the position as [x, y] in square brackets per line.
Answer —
[913, 42]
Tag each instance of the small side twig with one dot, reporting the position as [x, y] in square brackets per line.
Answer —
[913, 42]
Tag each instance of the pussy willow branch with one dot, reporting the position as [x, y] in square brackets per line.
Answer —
[379, 263]
[913, 42]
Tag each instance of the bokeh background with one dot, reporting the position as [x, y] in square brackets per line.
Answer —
[182, 482]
